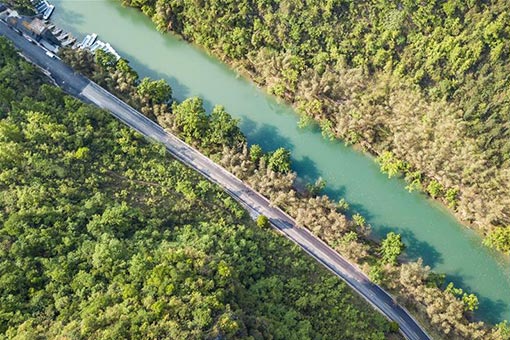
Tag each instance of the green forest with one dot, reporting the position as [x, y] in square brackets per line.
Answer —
[424, 86]
[443, 308]
[104, 236]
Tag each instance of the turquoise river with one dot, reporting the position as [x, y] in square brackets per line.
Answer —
[429, 231]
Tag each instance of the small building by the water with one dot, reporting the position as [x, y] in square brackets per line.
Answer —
[35, 28]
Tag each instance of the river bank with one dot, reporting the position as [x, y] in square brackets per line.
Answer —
[426, 229]
[449, 139]
[110, 210]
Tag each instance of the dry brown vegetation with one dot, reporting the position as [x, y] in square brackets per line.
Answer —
[449, 311]
[422, 85]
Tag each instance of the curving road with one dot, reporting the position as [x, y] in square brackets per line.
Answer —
[255, 203]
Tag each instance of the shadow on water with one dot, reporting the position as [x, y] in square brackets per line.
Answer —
[72, 17]
[339, 192]
[306, 168]
[274, 134]
[265, 135]
[414, 248]
[493, 310]
[178, 88]
[248, 126]
[358, 208]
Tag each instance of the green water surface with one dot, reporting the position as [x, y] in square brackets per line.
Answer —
[428, 230]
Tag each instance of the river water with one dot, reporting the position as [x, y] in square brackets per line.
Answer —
[428, 230]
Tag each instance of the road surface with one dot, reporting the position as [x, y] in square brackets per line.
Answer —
[255, 203]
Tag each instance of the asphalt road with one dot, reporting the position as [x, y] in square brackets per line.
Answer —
[255, 203]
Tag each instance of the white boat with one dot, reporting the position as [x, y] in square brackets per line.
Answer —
[63, 36]
[88, 40]
[93, 47]
[68, 42]
[48, 12]
[57, 31]
[83, 41]
[93, 44]
[45, 8]
[108, 48]
[98, 45]
[92, 40]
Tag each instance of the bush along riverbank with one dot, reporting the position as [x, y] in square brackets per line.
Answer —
[103, 235]
[446, 309]
[423, 87]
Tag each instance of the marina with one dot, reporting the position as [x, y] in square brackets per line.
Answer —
[39, 29]
[44, 8]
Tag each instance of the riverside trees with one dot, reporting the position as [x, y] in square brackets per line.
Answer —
[104, 236]
[391, 247]
[326, 219]
[423, 82]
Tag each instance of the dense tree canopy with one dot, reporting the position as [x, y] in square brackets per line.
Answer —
[422, 84]
[426, 296]
[104, 236]
[391, 247]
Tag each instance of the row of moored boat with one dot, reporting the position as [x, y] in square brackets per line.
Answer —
[44, 8]
[92, 43]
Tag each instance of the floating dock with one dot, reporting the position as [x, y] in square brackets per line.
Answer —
[44, 8]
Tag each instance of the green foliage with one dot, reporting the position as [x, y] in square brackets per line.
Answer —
[211, 131]
[255, 153]
[104, 59]
[359, 220]
[499, 238]
[426, 82]
[436, 280]
[390, 164]
[18, 78]
[375, 274]
[223, 129]
[391, 247]
[304, 121]
[451, 197]
[435, 189]
[470, 301]
[315, 188]
[190, 119]
[414, 180]
[349, 237]
[343, 205]
[158, 91]
[279, 160]
[104, 236]
[327, 130]
[454, 290]
[503, 330]
[24, 7]
[394, 327]
[262, 221]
